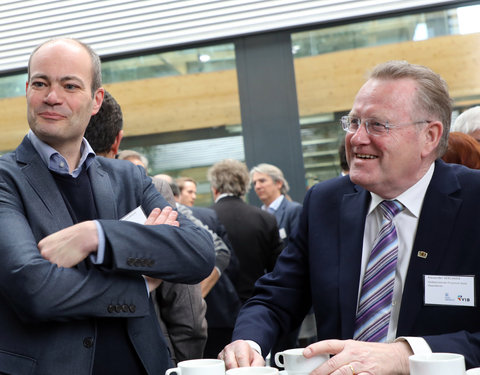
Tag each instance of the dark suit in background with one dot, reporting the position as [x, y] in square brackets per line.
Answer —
[287, 215]
[253, 234]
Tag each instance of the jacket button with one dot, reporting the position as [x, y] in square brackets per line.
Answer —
[125, 308]
[111, 308]
[88, 342]
[118, 308]
[130, 261]
[132, 308]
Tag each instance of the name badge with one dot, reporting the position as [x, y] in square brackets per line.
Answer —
[282, 233]
[449, 290]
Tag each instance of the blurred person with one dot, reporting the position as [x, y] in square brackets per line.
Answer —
[134, 157]
[180, 307]
[188, 190]
[342, 155]
[379, 251]
[74, 295]
[271, 188]
[462, 149]
[468, 122]
[105, 129]
[220, 295]
[252, 232]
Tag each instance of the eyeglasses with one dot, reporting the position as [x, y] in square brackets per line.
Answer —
[374, 127]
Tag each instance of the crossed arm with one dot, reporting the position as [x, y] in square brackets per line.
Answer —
[70, 246]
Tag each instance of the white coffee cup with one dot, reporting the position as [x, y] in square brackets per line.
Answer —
[253, 371]
[198, 367]
[295, 363]
[473, 371]
[437, 363]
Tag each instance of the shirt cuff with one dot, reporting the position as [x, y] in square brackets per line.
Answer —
[99, 256]
[254, 346]
[418, 344]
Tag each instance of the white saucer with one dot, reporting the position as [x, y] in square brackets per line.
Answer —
[283, 372]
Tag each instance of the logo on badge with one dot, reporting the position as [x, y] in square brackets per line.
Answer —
[463, 299]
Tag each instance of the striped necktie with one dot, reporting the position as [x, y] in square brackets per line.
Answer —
[373, 314]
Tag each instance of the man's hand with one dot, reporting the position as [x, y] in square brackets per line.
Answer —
[240, 354]
[207, 284]
[166, 216]
[70, 246]
[361, 358]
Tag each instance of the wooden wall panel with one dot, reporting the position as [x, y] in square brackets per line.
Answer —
[325, 83]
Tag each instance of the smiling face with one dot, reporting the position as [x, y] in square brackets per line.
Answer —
[391, 163]
[59, 95]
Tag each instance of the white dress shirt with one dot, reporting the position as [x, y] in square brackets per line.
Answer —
[406, 223]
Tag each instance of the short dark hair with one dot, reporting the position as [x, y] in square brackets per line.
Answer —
[105, 125]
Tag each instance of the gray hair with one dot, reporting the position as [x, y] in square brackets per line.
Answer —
[274, 172]
[95, 59]
[432, 96]
[468, 121]
[131, 154]
[229, 176]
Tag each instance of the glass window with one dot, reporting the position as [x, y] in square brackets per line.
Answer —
[331, 64]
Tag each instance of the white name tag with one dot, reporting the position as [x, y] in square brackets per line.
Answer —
[282, 233]
[449, 290]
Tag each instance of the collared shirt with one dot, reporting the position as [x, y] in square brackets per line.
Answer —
[275, 204]
[57, 163]
[223, 195]
[406, 223]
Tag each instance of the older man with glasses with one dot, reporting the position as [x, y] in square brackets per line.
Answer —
[380, 253]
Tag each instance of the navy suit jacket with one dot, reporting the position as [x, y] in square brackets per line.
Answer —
[321, 265]
[48, 314]
[287, 215]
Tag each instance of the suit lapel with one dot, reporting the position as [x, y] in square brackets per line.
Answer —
[437, 219]
[34, 171]
[102, 192]
[353, 212]
[280, 213]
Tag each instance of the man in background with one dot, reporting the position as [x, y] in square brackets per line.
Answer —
[271, 188]
[468, 122]
[188, 190]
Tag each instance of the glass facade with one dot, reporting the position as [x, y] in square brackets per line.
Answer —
[189, 147]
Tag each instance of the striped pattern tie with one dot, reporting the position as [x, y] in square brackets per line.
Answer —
[373, 314]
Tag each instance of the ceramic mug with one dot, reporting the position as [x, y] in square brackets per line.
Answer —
[253, 371]
[198, 367]
[437, 363]
[473, 371]
[295, 363]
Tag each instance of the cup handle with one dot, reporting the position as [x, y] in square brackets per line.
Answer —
[175, 370]
[279, 359]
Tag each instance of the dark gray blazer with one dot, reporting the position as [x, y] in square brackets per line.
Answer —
[287, 215]
[48, 314]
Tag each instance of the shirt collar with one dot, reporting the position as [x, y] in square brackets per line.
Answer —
[56, 162]
[410, 197]
[275, 204]
[223, 195]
